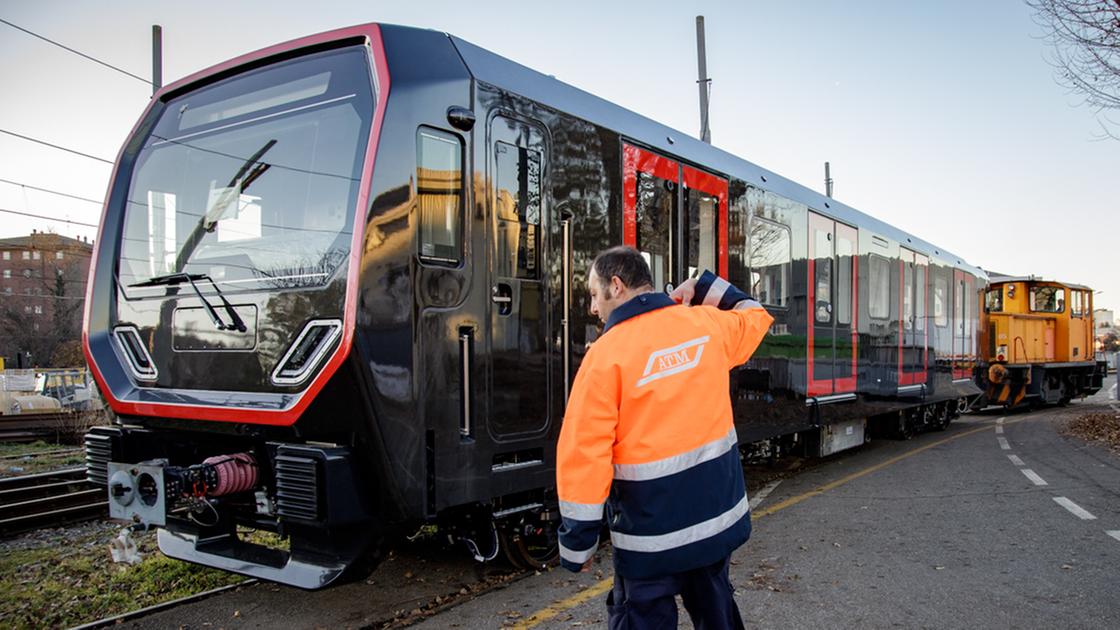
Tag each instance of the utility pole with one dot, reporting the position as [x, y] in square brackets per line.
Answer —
[157, 58]
[827, 182]
[704, 82]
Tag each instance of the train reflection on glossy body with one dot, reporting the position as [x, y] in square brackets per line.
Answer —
[340, 290]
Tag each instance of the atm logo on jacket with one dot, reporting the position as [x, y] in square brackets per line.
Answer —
[669, 361]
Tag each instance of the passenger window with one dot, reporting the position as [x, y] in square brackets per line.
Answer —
[738, 246]
[921, 268]
[940, 295]
[438, 191]
[1048, 299]
[518, 206]
[769, 261]
[656, 207]
[823, 276]
[907, 292]
[845, 255]
[879, 289]
[703, 209]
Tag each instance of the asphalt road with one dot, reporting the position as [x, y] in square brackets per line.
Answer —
[943, 531]
[998, 522]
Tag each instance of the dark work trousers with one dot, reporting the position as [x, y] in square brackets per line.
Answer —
[650, 603]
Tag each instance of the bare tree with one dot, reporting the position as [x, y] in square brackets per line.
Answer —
[1086, 39]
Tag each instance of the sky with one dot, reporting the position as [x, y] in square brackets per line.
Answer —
[942, 118]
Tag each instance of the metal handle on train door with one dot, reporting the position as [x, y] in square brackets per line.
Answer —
[502, 295]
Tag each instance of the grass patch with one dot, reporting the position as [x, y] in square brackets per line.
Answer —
[29, 459]
[31, 448]
[62, 585]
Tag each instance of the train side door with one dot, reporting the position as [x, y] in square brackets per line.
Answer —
[913, 353]
[964, 307]
[675, 215]
[520, 353]
[833, 335]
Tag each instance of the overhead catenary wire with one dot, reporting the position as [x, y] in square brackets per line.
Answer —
[80, 54]
[55, 146]
[48, 190]
[40, 216]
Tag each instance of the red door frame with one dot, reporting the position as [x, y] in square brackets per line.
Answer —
[904, 377]
[819, 387]
[637, 160]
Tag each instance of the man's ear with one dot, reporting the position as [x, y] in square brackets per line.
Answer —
[617, 288]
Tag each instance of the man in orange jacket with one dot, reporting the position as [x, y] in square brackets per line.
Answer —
[649, 441]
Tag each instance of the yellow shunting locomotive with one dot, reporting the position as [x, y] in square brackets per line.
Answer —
[1037, 340]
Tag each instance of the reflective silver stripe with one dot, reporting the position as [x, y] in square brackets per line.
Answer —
[743, 305]
[676, 463]
[682, 537]
[716, 291]
[578, 557]
[581, 511]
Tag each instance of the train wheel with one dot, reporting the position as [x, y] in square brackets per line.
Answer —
[530, 544]
[942, 418]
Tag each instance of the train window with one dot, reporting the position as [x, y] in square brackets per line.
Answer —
[879, 287]
[920, 288]
[439, 186]
[907, 292]
[737, 245]
[702, 212]
[769, 262]
[656, 208]
[845, 255]
[940, 300]
[1075, 304]
[958, 305]
[993, 300]
[1048, 299]
[822, 263]
[518, 202]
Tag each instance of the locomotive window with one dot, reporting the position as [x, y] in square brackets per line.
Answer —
[879, 287]
[438, 191]
[769, 262]
[262, 187]
[940, 300]
[702, 211]
[1075, 304]
[518, 207]
[1048, 299]
[993, 300]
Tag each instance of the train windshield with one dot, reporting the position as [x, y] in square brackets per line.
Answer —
[252, 181]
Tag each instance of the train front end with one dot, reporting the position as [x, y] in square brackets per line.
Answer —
[221, 311]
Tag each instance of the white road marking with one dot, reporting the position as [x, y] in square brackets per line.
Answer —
[763, 493]
[1075, 509]
[1015, 460]
[1033, 476]
[999, 421]
[1003, 443]
[1116, 532]
[999, 429]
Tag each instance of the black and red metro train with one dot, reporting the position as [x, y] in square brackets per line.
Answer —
[340, 291]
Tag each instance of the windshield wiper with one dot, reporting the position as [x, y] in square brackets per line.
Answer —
[179, 278]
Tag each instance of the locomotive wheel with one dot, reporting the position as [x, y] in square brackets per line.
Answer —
[943, 417]
[531, 545]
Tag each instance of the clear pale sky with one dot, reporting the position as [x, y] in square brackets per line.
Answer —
[942, 118]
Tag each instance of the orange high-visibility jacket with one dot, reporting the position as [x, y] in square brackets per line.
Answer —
[648, 435]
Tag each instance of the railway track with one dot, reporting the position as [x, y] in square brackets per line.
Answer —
[27, 427]
[49, 499]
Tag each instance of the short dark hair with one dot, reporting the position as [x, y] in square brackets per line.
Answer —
[626, 263]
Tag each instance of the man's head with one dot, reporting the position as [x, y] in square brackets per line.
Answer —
[618, 274]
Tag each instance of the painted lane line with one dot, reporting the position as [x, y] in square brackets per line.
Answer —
[1015, 460]
[763, 493]
[999, 429]
[1033, 476]
[1003, 443]
[1075, 509]
[999, 421]
[1116, 532]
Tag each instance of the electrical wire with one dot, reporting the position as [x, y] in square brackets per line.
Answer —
[80, 54]
[40, 216]
[55, 146]
[48, 190]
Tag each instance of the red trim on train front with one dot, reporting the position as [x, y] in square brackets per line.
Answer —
[372, 34]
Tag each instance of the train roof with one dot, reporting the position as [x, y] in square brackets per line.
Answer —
[509, 75]
[996, 278]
